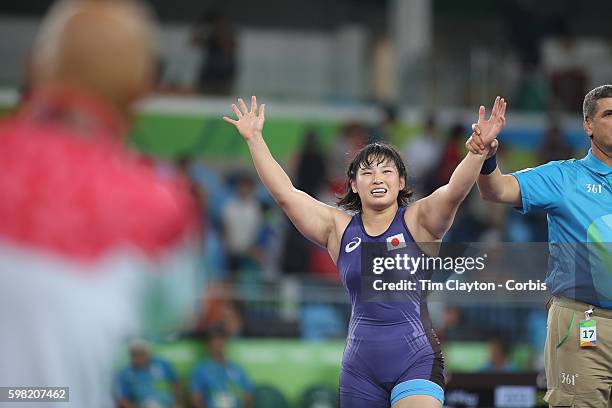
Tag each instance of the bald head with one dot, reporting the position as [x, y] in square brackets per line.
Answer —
[104, 47]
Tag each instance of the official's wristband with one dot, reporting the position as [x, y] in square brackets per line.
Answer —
[489, 165]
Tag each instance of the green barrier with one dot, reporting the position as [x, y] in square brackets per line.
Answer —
[294, 366]
[291, 366]
[170, 136]
[469, 357]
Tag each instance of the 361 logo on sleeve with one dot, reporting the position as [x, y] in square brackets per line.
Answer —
[594, 188]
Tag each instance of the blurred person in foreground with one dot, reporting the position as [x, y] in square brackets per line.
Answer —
[84, 225]
[148, 381]
[576, 195]
[392, 355]
[217, 382]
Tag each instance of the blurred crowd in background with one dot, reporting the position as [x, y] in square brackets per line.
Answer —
[544, 56]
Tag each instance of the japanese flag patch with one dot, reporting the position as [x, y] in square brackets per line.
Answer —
[396, 242]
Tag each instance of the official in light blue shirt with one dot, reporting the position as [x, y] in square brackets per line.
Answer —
[577, 198]
[218, 382]
[147, 381]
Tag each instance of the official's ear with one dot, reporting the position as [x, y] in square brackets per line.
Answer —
[587, 128]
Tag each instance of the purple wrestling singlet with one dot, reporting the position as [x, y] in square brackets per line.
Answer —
[391, 349]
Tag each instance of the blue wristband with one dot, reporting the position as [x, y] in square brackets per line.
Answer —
[489, 165]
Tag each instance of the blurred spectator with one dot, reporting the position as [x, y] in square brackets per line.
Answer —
[148, 382]
[390, 129]
[346, 145]
[322, 266]
[536, 328]
[218, 382]
[242, 220]
[477, 220]
[453, 326]
[554, 146]
[83, 222]
[452, 154]
[213, 256]
[267, 252]
[320, 322]
[499, 357]
[216, 189]
[532, 92]
[311, 175]
[525, 28]
[481, 221]
[311, 172]
[214, 36]
[567, 70]
[422, 154]
[219, 310]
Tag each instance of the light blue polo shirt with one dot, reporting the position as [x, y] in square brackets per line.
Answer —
[150, 385]
[577, 198]
[220, 385]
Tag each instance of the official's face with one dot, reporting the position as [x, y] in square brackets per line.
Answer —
[600, 126]
[140, 358]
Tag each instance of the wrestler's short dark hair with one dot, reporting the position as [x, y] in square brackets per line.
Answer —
[366, 157]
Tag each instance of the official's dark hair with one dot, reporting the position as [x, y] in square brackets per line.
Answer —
[589, 106]
[374, 153]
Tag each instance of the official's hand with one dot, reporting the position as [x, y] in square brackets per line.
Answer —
[487, 130]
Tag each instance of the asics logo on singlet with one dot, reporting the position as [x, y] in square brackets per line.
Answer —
[351, 246]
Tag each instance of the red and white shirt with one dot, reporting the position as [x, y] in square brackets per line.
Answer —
[84, 226]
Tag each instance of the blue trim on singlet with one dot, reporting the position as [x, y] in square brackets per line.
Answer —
[417, 387]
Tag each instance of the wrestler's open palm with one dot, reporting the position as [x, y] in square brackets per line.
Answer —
[250, 122]
[490, 128]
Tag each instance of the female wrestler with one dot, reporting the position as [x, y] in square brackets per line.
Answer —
[392, 356]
